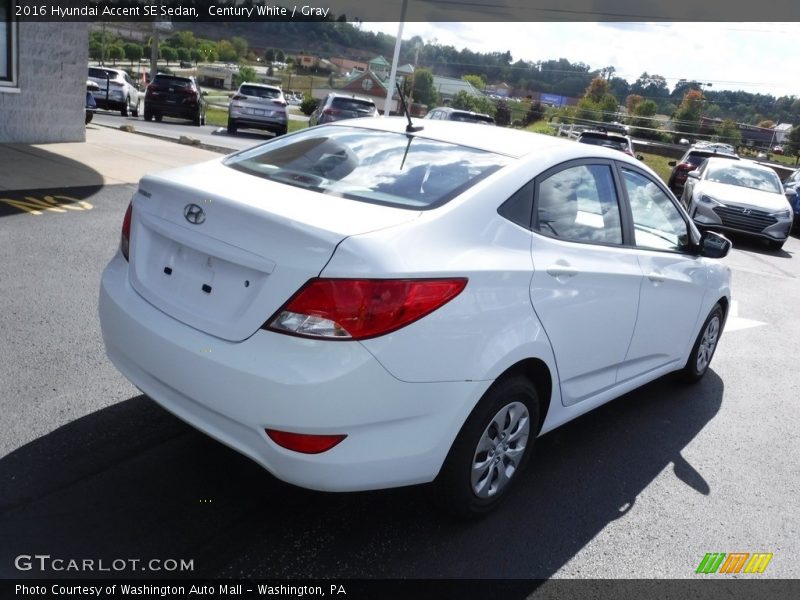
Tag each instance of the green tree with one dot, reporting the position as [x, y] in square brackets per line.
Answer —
[687, 118]
[244, 74]
[115, 53]
[477, 81]
[196, 55]
[424, 92]
[95, 50]
[208, 51]
[308, 105]
[240, 45]
[642, 122]
[269, 56]
[184, 54]
[280, 56]
[169, 54]
[133, 52]
[794, 140]
[728, 132]
[226, 51]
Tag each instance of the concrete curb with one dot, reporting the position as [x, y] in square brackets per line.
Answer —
[199, 144]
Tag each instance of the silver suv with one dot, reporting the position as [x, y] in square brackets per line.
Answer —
[258, 106]
[117, 91]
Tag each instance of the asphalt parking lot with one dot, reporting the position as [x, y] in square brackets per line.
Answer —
[641, 488]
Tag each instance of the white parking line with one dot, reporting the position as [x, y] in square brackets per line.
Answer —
[737, 323]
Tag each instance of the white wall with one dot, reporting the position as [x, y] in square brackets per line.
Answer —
[50, 101]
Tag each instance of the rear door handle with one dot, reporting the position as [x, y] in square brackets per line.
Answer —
[561, 272]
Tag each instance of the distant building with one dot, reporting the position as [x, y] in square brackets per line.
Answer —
[449, 87]
[499, 89]
[216, 76]
[43, 70]
[781, 131]
[345, 65]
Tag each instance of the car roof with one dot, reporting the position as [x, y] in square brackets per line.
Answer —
[500, 140]
[604, 134]
[350, 96]
[725, 160]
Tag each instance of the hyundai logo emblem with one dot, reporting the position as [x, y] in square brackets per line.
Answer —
[746, 211]
[194, 214]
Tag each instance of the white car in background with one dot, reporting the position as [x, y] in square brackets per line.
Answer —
[366, 305]
[117, 91]
[739, 196]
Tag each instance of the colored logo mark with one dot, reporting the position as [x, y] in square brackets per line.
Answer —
[734, 562]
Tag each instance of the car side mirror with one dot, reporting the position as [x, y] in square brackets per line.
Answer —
[672, 163]
[714, 245]
[639, 157]
[204, 93]
[693, 174]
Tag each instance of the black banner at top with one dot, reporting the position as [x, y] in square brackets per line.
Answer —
[406, 10]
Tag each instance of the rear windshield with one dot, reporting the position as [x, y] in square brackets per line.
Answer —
[697, 158]
[608, 142]
[259, 92]
[371, 166]
[174, 81]
[471, 118]
[102, 73]
[353, 104]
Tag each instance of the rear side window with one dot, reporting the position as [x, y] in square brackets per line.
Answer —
[259, 92]
[371, 166]
[579, 204]
[103, 73]
[353, 104]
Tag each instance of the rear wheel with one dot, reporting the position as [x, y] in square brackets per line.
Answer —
[197, 119]
[135, 111]
[704, 347]
[231, 126]
[158, 117]
[491, 450]
[148, 115]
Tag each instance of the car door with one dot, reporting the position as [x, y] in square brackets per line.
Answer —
[674, 278]
[585, 287]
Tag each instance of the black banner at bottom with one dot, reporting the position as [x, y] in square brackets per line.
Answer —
[410, 589]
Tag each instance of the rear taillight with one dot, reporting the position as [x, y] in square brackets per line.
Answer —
[239, 97]
[331, 112]
[279, 102]
[125, 237]
[304, 442]
[685, 167]
[357, 309]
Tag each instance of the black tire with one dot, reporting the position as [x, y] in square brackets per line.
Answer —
[124, 110]
[89, 116]
[454, 490]
[148, 116]
[704, 347]
[158, 117]
[281, 132]
[135, 111]
[231, 126]
[197, 119]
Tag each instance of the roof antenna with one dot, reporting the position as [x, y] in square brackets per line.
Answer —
[410, 128]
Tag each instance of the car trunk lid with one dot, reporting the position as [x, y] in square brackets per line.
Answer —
[222, 250]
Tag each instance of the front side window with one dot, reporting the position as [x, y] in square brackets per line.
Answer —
[657, 222]
[579, 204]
[8, 46]
[371, 166]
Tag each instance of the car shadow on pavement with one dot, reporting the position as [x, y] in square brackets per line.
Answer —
[755, 245]
[133, 482]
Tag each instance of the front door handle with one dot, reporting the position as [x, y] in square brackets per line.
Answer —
[561, 272]
[656, 277]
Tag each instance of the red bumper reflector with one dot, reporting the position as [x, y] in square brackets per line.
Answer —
[304, 442]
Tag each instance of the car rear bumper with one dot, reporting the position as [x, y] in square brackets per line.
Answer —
[273, 123]
[186, 111]
[398, 433]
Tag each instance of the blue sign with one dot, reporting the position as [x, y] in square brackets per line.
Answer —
[553, 100]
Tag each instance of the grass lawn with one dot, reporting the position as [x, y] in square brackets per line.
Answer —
[219, 118]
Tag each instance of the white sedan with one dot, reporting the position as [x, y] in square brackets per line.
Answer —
[741, 197]
[360, 305]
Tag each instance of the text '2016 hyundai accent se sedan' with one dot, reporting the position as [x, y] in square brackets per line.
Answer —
[360, 306]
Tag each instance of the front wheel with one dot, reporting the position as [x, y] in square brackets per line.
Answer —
[491, 450]
[704, 347]
[135, 110]
[124, 110]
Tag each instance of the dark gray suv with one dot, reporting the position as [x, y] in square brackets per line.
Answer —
[336, 107]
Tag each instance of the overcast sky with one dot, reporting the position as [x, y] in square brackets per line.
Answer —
[754, 57]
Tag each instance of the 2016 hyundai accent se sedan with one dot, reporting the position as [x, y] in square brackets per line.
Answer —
[360, 306]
